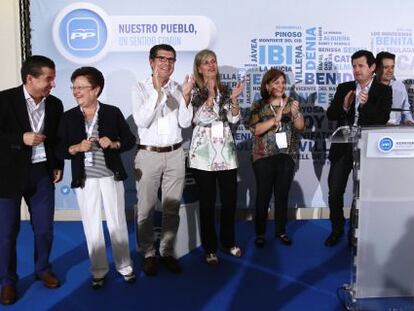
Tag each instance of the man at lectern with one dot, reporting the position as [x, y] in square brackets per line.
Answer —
[362, 102]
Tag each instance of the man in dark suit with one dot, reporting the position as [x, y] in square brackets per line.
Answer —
[361, 102]
[29, 118]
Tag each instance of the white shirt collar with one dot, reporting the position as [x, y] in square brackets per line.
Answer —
[368, 86]
[30, 100]
[167, 85]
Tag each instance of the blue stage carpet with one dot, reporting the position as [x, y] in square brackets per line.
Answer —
[304, 276]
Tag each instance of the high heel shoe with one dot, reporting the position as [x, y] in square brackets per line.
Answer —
[284, 239]
[260, 241]
[212, 259]
[233, 251]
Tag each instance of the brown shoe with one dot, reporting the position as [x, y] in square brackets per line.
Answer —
[8, 294]
[149, 266]
[49, 279]
[171, 264]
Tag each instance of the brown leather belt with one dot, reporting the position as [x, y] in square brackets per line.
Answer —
[160, 149]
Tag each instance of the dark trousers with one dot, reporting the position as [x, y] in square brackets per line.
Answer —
[40, 198]
[337, 180]
[227, 183]
[274, 175]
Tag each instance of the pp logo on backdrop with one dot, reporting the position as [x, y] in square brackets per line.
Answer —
[385, 144]
[65, 190]
[83, 39]
[81, 33]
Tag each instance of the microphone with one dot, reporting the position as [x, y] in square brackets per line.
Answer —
[400, 109]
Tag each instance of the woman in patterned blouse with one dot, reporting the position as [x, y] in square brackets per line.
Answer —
[274, 121]
[213, 155]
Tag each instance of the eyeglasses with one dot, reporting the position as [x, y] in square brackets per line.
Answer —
[80, 88]
[164, 59]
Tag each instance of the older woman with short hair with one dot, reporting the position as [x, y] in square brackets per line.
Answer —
[274, 121]
[93, 135]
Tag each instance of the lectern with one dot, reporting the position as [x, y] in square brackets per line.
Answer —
[382, 217]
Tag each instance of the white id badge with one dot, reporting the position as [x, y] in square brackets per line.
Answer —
[88, 159]
[281, 140]
[162, 126]
[39, 154]
[217, 129]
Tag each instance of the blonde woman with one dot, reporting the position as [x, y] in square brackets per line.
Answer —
[213, 155]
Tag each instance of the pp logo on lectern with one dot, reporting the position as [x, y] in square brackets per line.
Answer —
[81, 33]
[386, 144]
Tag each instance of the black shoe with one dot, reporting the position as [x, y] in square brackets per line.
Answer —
[171, 264]
[333, 238]
[97, 283]
[260, 241]
[284, 239]
[130, 277]
[149, 266]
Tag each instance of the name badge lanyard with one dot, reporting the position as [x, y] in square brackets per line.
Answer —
[273, 109]
[37, 128]
[281, 137]
[89, 131]
[217, 126]
[39, 152]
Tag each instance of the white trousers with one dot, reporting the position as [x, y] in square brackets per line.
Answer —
[109, 193]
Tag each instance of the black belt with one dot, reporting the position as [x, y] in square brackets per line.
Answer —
[160, 149]
[40, 163]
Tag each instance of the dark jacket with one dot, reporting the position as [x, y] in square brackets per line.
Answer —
[15, 156]
[376, 111]
[111, 123]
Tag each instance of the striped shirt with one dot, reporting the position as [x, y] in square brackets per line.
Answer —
[99, 168]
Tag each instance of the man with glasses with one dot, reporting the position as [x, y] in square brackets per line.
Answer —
[161, 109]
[29, 118]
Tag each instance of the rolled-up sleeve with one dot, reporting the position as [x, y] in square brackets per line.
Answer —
[144, 107]
[185, 113]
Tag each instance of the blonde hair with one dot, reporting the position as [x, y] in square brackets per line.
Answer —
[198, 60]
